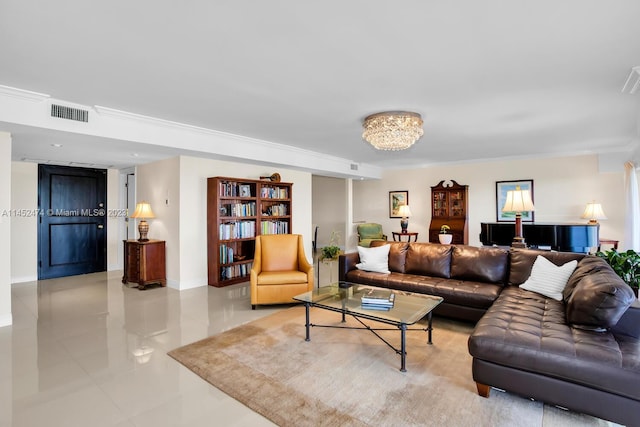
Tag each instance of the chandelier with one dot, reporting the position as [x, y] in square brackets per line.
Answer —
[393, 130]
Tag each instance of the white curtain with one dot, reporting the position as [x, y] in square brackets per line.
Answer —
[632, 210]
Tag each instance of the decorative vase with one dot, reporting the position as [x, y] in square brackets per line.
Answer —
[445, 239]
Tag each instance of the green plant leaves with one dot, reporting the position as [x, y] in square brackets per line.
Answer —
[625, 264]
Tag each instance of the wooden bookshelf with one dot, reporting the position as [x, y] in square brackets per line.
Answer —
[238, 210]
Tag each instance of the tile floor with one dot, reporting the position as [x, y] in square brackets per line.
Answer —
[88, 351]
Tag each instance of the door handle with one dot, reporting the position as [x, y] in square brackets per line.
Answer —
[100, 226]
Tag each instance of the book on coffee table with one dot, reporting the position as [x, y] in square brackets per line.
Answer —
[379, 299]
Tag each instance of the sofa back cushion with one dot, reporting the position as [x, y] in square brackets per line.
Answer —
[599, 298]
[590, 264]
[521, 261]
[485, 264]
[397, 254]
[429, 259]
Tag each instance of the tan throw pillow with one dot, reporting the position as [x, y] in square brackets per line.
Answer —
[548, 279]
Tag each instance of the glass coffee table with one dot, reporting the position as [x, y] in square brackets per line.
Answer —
[345, 298]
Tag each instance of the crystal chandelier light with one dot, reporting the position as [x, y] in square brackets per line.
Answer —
[392, 130]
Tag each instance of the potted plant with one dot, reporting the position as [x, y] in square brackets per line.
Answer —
[331, 251]
[444, 236]
[625, 264]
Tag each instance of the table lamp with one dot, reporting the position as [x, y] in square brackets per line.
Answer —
[405, 213]
[144, 212]
[518, 201]
[593, 212]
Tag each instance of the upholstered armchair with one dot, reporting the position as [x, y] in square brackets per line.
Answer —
[280, 270]
[369, 232]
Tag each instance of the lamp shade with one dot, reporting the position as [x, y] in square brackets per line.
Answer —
[594, 212]
[518, 201]
[143, 210]
[404, 211]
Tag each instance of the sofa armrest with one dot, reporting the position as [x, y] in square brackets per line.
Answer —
[629, 323]
[346, 263]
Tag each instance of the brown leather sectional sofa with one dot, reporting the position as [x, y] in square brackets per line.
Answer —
[581, 353]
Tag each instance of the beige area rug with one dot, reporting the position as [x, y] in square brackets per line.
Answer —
[350, 378]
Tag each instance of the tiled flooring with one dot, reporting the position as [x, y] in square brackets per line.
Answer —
[88, 351]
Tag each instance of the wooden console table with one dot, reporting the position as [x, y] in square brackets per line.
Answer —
[612, 242]
[144, 263]
[399, 235]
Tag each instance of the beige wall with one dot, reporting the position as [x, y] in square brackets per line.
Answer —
[183, 222]
[329, 208]
[24, 229]
[5, 229]
[155, 183]
[562, 188]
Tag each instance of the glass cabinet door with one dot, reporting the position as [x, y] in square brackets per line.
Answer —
[440, 204]
[457, 204]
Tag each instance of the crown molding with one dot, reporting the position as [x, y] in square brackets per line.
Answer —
[26, 95]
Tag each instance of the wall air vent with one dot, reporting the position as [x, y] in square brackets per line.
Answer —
[354, 167]
[69, 113]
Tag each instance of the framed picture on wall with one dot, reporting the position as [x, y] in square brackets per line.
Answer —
[397, 199]
[501, 196]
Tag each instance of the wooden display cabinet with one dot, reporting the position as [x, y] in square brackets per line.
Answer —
[449, 206]
[144, 263]
[238, 210]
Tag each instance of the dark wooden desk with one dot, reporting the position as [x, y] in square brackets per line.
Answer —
[399, 235]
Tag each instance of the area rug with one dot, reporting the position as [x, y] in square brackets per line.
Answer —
[350, 378]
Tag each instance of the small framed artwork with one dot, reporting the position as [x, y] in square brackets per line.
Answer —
[397, 199]
[501, 196]
[245, 191]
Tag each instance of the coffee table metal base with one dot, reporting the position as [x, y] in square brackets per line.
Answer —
[402, 351]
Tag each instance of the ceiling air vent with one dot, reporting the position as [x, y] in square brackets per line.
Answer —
[69, 113]
[354, 167]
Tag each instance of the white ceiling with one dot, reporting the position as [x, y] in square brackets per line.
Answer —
[492, 79]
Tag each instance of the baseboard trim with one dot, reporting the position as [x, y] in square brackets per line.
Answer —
[6, 320]
[24, 279]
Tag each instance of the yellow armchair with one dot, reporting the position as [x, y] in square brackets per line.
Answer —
[280, 270]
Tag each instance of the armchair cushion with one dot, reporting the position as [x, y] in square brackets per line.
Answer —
[281, 277]
[369, 232]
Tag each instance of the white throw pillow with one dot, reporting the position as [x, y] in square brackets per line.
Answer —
[374, 259]
[548, 279]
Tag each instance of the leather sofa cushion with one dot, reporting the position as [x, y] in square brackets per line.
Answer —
[599, 300]
[527, 331]
[588, 265]
[489, 265]
[397, 254]
[521, 262]
[457, 292]
[428, 259]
